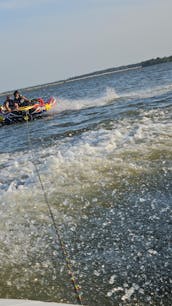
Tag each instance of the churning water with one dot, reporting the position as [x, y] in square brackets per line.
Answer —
[104, 156]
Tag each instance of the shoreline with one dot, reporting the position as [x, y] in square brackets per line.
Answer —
[69, 80]
[140, 65]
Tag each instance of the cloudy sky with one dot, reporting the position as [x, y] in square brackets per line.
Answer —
[49, 40]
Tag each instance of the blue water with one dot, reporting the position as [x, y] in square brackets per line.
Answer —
[104, 156]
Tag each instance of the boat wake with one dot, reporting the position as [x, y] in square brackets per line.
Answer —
[107, 97]
[148, 93]
[110, 95]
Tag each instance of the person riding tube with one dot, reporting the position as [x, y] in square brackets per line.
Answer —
[20, 100]
[10, 105]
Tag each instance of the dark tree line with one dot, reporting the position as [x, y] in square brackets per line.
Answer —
[158, 60]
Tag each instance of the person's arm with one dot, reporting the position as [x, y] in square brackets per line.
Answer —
[16, 106]
[25, 99]
[6, 105]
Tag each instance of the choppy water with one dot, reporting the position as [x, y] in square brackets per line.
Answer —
[105, 160]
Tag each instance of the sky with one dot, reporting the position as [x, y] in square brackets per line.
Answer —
[43, 41]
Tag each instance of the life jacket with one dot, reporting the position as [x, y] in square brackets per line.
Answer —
[19, 100]
[11, 104]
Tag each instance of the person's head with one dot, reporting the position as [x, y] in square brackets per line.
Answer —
[7, 98]
[16, 94]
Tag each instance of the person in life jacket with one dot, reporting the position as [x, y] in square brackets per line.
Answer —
[10, 105]
[20, 100]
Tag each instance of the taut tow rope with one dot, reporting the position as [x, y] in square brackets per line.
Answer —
[57, 231]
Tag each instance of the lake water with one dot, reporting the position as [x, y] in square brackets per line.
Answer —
[104, 156]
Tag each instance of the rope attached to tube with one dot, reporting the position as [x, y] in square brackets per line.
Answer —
[57, 231]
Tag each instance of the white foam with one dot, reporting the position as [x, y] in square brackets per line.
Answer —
[78, 104]
[89, 158]
[69, 168]
[108, 96]
[147, 93]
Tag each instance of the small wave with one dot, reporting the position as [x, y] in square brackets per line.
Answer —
[151, 131]
[78, 104]
[109, 96]
[148, 93]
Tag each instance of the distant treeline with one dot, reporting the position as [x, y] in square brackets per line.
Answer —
[158, 60]
[109, 70]
[146, 63]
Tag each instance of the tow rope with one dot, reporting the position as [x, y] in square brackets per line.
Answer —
[65, 252]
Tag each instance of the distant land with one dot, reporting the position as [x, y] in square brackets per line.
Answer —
[150, 62]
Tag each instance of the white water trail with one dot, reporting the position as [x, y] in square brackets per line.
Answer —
[78, 104]
[110, 95]
[147, 93]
